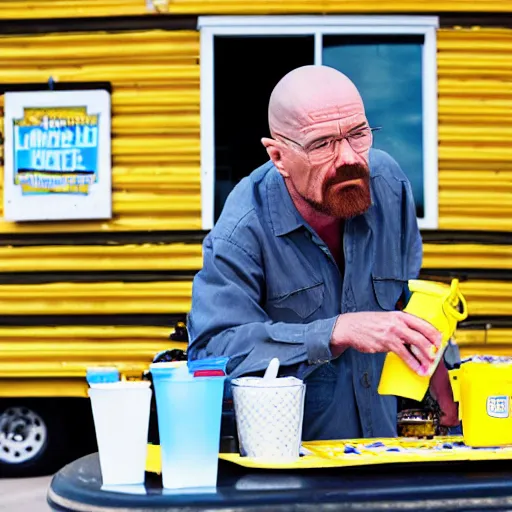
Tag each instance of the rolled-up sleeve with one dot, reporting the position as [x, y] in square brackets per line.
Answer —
[227, 317]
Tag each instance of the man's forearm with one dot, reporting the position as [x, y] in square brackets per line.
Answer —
[250, 346]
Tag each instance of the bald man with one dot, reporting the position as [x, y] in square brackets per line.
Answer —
[310, 259]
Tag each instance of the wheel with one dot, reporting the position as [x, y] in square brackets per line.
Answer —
[23, 435]
[39, 436]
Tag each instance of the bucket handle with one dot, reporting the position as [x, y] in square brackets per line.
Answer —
[449, 310]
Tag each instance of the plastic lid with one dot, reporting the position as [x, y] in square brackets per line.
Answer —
[214, 363]
[102, 374]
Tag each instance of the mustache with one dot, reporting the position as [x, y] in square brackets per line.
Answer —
[349, 172]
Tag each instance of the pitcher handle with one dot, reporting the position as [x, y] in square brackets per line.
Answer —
[449, 310]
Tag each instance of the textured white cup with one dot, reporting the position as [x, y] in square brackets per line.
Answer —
[269, 417]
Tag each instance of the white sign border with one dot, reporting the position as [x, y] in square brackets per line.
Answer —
[49, 207]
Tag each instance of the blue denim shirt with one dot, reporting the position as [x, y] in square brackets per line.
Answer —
[269, 287]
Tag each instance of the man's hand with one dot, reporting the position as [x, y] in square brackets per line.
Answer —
[392, 331]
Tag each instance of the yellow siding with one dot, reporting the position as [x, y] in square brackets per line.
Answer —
[74, 258]
[475, 129]
[484, 298]
[107, 298]
[40, 352]
[155, 103]
[66, 352]
[494, 341]
[77, 258]
[156, 146]
[15, 9]
[156, 180]
[469, 256]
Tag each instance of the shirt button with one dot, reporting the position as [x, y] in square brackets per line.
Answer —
[365, 380]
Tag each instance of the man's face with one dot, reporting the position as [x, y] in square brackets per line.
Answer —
[327, 161]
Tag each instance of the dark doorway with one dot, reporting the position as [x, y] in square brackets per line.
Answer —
[246, 69]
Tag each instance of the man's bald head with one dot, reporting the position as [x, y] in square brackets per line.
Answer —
[320, 142]
[309, 95]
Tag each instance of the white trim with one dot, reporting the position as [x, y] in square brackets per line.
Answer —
[207, 122]
[315, 20]
[430, 131]
[317, 26]
[319, 41]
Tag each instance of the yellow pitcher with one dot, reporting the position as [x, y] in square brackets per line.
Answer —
[437, 303]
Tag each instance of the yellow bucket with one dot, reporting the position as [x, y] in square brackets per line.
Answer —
[485, 396]
[437, 303]
[454, 376]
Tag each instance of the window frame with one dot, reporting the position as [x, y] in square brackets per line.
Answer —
[319, 25]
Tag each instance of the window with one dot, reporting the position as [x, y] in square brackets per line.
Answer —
[392, 61]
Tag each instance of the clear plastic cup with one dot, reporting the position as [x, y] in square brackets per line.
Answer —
[121, 421]
[189, 413]
[269, 417]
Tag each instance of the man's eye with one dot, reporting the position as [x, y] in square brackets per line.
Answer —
[320, 145]
[357, 135]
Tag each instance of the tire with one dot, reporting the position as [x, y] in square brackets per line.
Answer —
[39, 436]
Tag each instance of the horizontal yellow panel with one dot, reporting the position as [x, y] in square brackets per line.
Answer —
[12, 9]
[473, 153]
[464, 133]
[491, 336]
[473, 198]
[484, 298]
[471, 179]
[65, 352]
[180, 256]
[474, 88]
[103, 72]
[133, 203]
[37, 387]
[485, 350]
[99, 352]
[96, 298]
[467, 256]
[464, 221]
[488, 297]
[73, 369]
[108, 257]
[118, 224]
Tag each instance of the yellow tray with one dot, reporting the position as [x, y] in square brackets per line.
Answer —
[331, 454]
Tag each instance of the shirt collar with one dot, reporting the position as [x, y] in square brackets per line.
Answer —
[284, 216]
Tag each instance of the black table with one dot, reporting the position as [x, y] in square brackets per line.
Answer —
[440, 486]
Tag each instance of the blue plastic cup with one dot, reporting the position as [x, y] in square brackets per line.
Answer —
[189, 411]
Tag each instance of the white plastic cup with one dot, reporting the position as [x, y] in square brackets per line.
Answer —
[121, 420]
[269, 417]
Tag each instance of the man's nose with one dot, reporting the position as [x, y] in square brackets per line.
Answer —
[345, 155]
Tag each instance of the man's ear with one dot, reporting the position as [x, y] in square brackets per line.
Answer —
[274, 152]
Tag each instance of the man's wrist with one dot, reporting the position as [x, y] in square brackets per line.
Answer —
[338, 342]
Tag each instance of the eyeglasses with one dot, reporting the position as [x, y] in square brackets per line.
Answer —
[323, 150]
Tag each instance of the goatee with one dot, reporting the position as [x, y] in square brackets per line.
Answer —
[349, 200]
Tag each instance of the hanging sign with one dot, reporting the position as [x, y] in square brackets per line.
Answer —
[57, 155]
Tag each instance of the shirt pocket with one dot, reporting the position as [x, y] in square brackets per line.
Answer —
[388, 291]
[299, 304]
